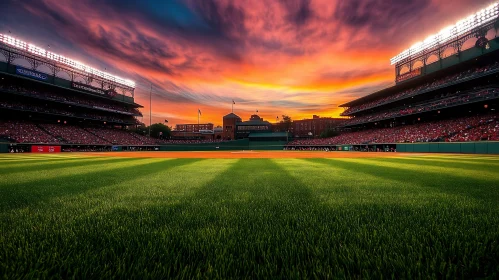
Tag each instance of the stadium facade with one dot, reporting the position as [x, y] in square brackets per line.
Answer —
[444, 100]
[52, 103]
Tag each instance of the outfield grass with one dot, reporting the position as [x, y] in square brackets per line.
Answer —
[84, 217]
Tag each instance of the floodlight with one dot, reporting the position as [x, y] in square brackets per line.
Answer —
[31, 48]
[461, 27]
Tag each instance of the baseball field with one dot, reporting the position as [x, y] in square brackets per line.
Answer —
[249, 215]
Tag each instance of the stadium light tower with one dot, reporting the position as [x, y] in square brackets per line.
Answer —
[462, 27]
[474, 26]
[40, 53]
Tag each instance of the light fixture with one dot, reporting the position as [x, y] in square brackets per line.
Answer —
[461, 27]
[31, 48]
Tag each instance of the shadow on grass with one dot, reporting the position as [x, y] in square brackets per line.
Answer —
[240, 214]
[257, 220]
[28, 194]
[56, 164]
[458, 164]
[475, 187]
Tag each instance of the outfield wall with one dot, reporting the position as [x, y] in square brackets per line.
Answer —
[465, 147]
[4, 148]
[242, 144]
[245, 144]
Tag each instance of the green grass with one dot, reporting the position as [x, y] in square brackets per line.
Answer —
[416, 217]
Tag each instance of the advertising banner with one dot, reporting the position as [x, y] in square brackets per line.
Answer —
[409, 75]
[79, 86]
[88, 88]
[45, 149]
[31, 73]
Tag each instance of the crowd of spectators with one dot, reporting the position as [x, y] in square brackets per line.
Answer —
[488, 129]
[70, 99]
[121, 137]
[29, 132]
[193, 141]
[474, 128]
[87, 149]
[61, 133]
[442, 101]
[25, 132]
[423, 88]
[39, 108]
[72, 134]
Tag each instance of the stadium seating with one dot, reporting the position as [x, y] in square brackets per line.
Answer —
[461, 129]
[25, 132]
[426, 87]
[121, 137]
[68, 99]
[453, 99]
[43, 108]
[28, 132]
[174, 141]
[73, 134]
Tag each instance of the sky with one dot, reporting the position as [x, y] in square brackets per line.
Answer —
[294, 57]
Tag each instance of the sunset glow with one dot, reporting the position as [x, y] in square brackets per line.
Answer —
[293, 57]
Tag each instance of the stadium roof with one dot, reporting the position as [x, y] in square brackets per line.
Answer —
[255, 122]
[477, 20]
[40, 52]
[231, 116]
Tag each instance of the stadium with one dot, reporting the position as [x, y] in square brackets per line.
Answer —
[405, 187]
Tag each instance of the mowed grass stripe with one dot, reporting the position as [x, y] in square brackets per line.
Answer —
[167, 184]
[473, 186]
[32, 175]
[40, 156]
[252, 218]
[339, 185]
[443, 160]
[454, 165]
[480, 158]
[52, 164]
[22, 191]
[403, 165]
[132, 189]
[459, 156]
[41, 159]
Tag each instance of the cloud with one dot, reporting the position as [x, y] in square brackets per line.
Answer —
[295, 57]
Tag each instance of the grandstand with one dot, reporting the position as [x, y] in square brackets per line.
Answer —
[452, 96]
[61, 102]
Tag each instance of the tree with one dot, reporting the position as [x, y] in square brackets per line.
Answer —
[142, 130]
[159, 130]
[286, 121]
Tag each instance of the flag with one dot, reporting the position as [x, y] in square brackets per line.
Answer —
[233, 101]
[199, 112]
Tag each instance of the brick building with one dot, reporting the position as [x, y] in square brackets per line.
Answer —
[229, 126]
[194, 127]
[315, 126]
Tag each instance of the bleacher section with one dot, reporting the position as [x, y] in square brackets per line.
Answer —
[483, 128]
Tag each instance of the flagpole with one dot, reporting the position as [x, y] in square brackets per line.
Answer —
[150, 111]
